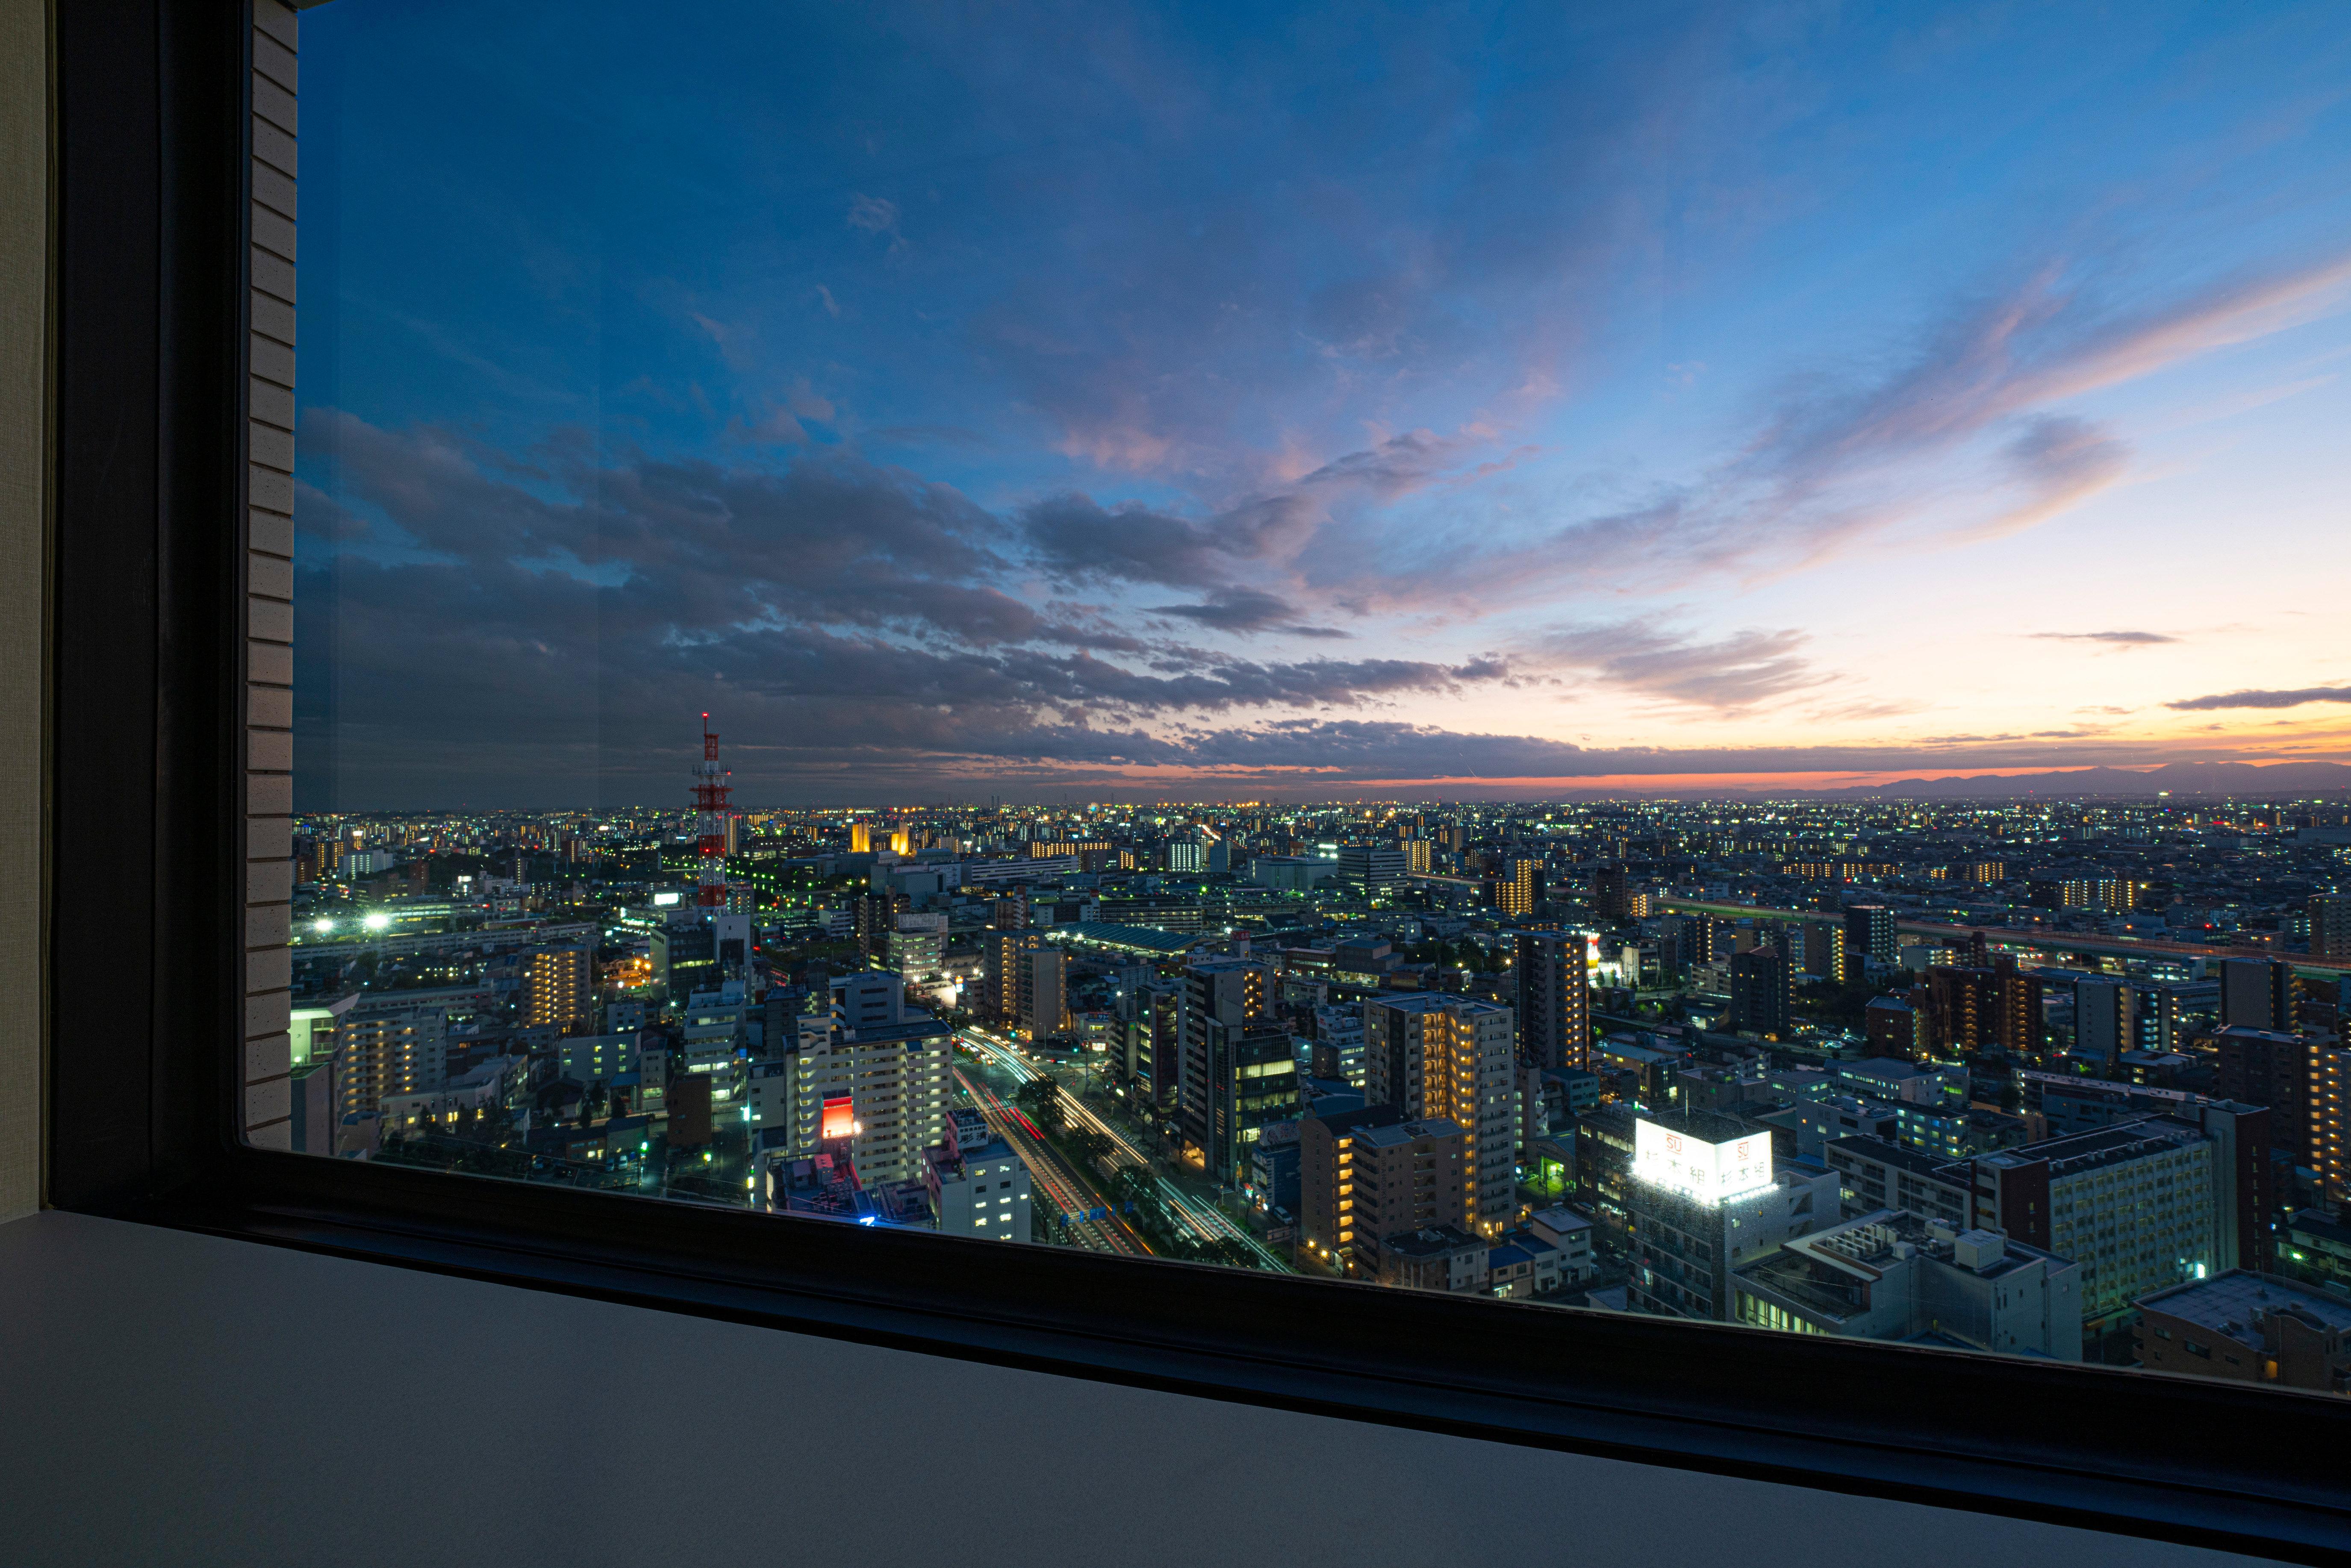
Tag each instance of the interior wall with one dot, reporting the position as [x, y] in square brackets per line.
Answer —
[23, 536]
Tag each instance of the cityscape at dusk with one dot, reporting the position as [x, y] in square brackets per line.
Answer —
[1686, 664]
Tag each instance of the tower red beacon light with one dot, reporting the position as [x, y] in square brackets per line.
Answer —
[710, 792]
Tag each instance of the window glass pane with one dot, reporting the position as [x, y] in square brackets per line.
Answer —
[1660, 661]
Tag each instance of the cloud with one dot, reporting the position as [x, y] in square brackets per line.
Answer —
[2295, 698]
[1728, 674]
[873, 216]
[1959, 437]
[1247, 610]
[2118, 639]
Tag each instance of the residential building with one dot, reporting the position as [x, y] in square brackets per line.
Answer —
[1554, 1007]
[1326, 1179]
[1869, 932]
[1571, 1233]
[1441, 1056]
[2257, 993]
[558, 986]
[1763, 992]
[1436, 1258]
[1408, 1176]
[978, 1186]
[2330, 924]
[876, 1073]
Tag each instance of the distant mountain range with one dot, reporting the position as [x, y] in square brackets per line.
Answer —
[2253, 778]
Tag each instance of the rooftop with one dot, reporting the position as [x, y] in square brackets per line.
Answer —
[2231, 1303]
[1128, 938]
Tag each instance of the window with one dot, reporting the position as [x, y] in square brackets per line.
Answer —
[791, 544]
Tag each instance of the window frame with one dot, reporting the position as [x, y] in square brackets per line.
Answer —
[148, 759]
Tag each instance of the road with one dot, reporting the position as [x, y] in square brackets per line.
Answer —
[1053, 1178]
[1202, 1218]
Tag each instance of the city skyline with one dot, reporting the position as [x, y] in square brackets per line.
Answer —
[1317, 407]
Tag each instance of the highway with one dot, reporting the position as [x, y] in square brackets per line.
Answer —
[1204, 1219]
[2029, 937]
[1053, 1179]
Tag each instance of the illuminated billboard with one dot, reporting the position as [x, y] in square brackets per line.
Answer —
[840, 1119]
[1708, 1172]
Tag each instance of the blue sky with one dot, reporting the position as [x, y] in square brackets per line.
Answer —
[1179, 401]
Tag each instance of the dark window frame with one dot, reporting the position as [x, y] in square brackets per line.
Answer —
[147, 908]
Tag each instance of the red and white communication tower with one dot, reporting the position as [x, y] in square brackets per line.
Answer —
[710, 792]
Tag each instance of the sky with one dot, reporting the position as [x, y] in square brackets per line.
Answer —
[1098, 402]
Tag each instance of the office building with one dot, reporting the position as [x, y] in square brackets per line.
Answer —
[560, 987]
[1251, 1082]
[1704, 1198]
[2257, 993]
[1232, 992]
[1894, 1275]
[1554, 999]
[1869, 932]
[2138, 1205]
[1436, 1056]
[685, 958]
[1369, 871]
[2248, 1327]
[917, 949]
[1338, 1033]
[1762, 993]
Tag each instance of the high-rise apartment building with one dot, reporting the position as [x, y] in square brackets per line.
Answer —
[381, 1050]
[1043, 975]
[1763, 992]
[1436, 1056]
[1326, 1179]
[884, 1067]
[2330, 924]
[558, 986]
[2257, 993]
[1869, 932]
[1407, 1175]
[1823, 947]
[1554, 999]
[2300, 1078]
[1611, 892]
[1415, 856]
